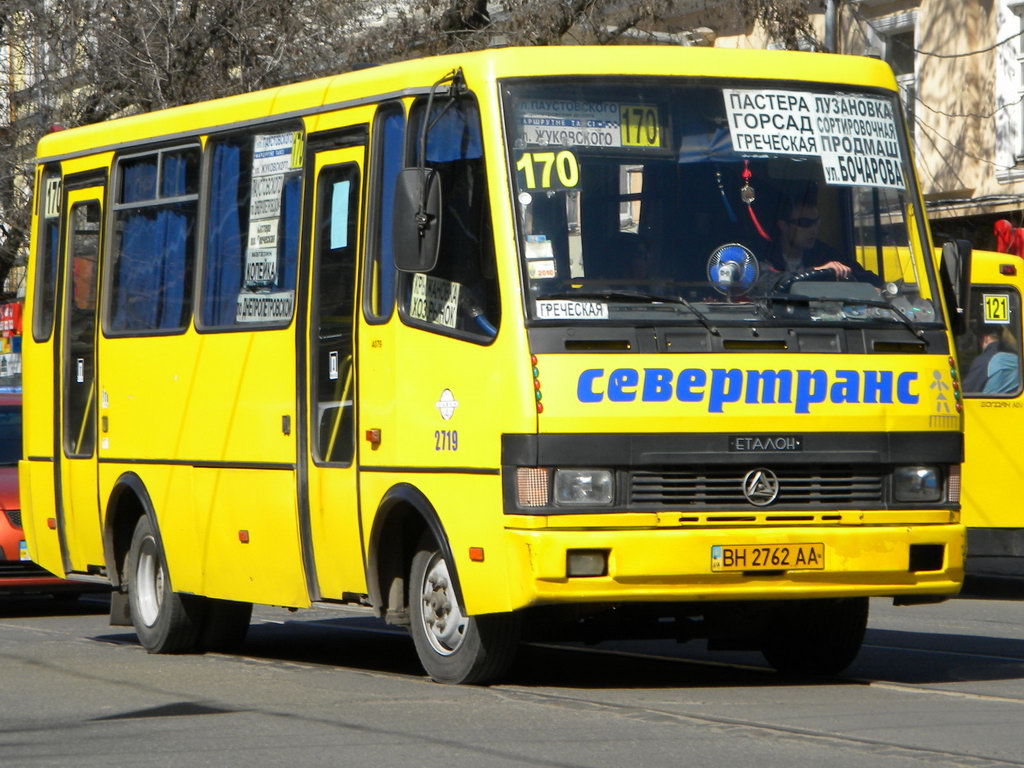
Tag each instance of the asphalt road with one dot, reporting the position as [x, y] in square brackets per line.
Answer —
[939, 685]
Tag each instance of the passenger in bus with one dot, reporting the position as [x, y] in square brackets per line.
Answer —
[996, 369]
[798, 249]
[634, 258]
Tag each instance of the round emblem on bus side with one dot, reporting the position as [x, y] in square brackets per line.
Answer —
[447, 404]
[761, 487]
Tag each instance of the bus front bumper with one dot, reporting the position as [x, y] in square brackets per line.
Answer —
[688, 565]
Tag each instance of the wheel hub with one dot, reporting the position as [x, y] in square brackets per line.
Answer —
[149, 583]
[444, 623]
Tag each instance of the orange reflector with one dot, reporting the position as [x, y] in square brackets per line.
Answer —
[243, 536]
[51, 523]
[373, 436]
[476, 554]
[1007, 269]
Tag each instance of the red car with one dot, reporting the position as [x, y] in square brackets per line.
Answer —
[18, 574]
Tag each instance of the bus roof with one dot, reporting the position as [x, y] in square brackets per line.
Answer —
[416, 75]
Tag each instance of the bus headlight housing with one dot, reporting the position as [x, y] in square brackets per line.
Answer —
[917, 484]
[584, 487]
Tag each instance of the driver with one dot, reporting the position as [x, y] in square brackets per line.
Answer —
[799, 250]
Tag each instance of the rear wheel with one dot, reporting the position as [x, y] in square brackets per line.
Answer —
[815, 637]
[453, 647]
[164, 621]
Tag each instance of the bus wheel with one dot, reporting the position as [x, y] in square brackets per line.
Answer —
[815, 637]
[165, 622]
[453, 647]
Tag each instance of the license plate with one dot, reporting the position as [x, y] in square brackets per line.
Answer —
[23, 550]
[768, 557]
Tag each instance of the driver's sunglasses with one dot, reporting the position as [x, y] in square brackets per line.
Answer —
[805, 222]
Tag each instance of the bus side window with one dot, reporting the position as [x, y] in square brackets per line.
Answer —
[388, 151]
[46, 253]
[990, 348]
[460, 296]
[154, 241]
[252, 231]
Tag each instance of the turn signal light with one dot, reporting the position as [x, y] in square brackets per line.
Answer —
[953, 484]
[532, 486]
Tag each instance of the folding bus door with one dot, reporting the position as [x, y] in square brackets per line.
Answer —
[78, 515]
[333, 520]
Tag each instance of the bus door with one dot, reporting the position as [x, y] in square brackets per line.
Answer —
[333, 517]
[77, 511]
[990, 365]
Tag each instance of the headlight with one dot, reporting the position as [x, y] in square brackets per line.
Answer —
[584, 487]
[917, 484]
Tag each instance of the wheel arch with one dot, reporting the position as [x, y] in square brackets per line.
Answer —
[128, 501]
[403, 516]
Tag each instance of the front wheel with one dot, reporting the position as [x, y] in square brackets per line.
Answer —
[164, 621]
[815, 637]
[453, 647]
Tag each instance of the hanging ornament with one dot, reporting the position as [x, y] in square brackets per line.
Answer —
[747, 195]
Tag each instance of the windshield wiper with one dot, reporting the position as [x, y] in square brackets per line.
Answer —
[904, 318]
[789, 298]
[619, 295]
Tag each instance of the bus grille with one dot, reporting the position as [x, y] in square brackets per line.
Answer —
[798, 487]
[14, 517]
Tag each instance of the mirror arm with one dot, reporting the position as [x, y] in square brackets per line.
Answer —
[455, 79]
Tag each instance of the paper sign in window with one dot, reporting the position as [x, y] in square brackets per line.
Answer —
[339, 214]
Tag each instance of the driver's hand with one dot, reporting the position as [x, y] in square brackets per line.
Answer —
[842, 271]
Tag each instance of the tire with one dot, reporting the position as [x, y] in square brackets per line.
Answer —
[226, 625]
[452, 647]
[164, 621]
[815, 637]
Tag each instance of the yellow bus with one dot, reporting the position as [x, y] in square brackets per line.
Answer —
[993, 470]
[525, 342]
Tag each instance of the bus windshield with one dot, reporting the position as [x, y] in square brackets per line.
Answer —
[673, 200]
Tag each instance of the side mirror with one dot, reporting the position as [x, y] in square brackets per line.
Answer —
[955, 273]
[417, 219]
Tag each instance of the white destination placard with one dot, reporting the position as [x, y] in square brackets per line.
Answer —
[856, 136]
[435, 300]
[272, 153]
[260, 267]
[568, 123]
[264, 307]
[566, 309]
[265, 196]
